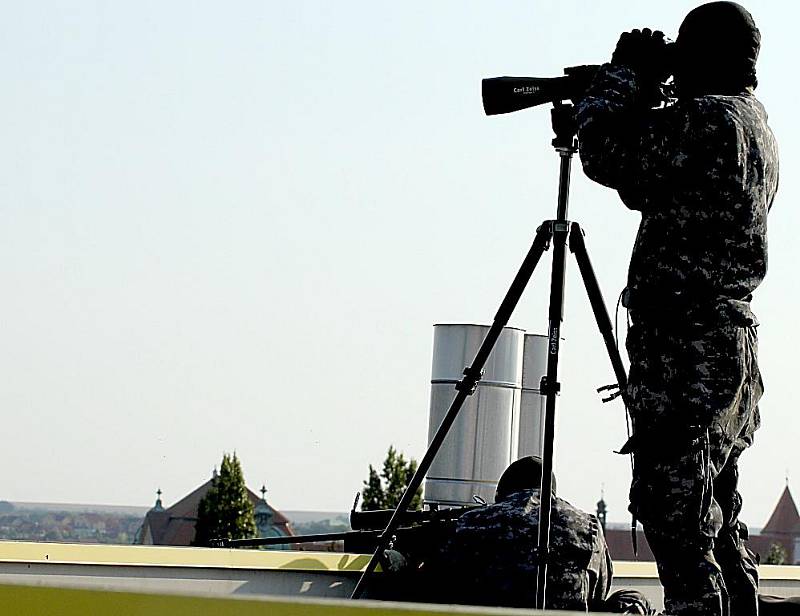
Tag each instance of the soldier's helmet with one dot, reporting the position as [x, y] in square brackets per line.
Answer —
[716, 50]
[524, 474]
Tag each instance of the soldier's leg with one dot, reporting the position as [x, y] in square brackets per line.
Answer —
[707, 380]
[739, 567]
[671, 488]
[734, 432]
[671, 498]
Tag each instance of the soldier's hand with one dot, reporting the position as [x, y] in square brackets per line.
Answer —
[644, 52]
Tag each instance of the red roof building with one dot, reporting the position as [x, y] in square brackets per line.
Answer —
[175, 525]
[782, 528]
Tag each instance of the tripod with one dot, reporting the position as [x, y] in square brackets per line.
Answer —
[556, 232]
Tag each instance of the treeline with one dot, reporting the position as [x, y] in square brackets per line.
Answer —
[68, 526]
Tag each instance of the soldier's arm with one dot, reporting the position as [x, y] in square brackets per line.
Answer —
[641, 151]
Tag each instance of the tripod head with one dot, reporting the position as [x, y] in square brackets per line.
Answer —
[565, 127]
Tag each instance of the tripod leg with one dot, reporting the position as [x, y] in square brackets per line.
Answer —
[578, 248]
[550, 388]
[465, 388]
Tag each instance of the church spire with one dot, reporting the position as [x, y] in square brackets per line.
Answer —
[602, 509]
[158, 506]
[263, 514]
[784, 518]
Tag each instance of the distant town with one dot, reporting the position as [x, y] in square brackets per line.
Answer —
[224, 507]
[69, 523]
[79, 523]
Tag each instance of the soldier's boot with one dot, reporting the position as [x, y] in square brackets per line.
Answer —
[693, 586]
[628, 601]
[739, 569]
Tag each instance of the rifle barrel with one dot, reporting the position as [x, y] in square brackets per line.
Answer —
[241, 543]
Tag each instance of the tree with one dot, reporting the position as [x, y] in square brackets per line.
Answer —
[776, 555]
[225, 512]
[384, 490]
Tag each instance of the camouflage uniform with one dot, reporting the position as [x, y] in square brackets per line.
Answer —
[703, 173]
[489, 558]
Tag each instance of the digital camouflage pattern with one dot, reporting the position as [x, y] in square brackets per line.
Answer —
[703, 172]
[490, 556]
[694, 399]
[700, 386]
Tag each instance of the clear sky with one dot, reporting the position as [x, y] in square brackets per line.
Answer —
[232, 226]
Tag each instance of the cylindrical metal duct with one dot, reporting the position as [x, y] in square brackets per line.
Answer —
[483, 439]
[531, 409]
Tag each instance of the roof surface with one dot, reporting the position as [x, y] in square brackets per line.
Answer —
[175, 525]
[784, 518]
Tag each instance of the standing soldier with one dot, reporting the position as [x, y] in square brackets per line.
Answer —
[703, 172]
